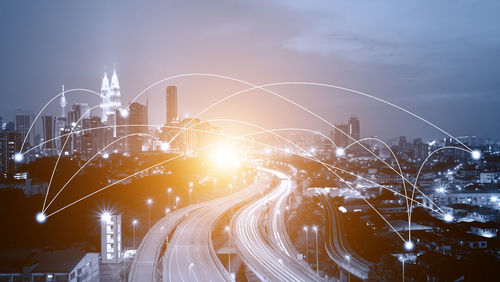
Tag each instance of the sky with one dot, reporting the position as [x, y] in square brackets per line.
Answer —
[438, 59]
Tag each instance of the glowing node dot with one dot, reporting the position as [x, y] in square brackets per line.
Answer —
[164, 146]
[18, 157]
[41, 217]
[340, 152]
[476, 155]
[105, 216]
[409, 245]
[124, 113]
[448, 217]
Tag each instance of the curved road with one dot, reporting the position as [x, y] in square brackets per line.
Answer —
[261, 239]
[145, 263]
[339, 252]
[190, 255]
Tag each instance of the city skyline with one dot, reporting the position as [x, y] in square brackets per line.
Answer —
[250, 141]
[356, 50]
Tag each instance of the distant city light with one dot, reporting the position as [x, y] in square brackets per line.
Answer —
[124, 113]
[476, 155]
[340, 152]
[149, 201]
[448, 218]
[105, 155]
[18, 157]
[41, 217]
[165, 146]
[105, 216]
[494, 198]
[134, 222]
[440, 190]
[409, 245]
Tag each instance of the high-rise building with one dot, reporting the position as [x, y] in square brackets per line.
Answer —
[138, 115]
[105, 98]
[23, 123]
[190, 136]
[172, 104]
[354, 129]
[63, 103]
[342, 134]
[111, 104]
[111, 238]
[49, 132]
[10, 144]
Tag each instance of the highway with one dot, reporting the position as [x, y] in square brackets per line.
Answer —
[145, 264]
[190, 255]
[261, 239]
[338, 250]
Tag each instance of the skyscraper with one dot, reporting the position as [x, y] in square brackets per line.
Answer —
[10, 143]
[49, 128]
[23, 122]
[341, 135]
[105, 98]
[110, 95]
[171, 104]
[138, 115]
[354, 128]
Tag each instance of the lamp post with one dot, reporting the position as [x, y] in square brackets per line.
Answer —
[134, 223]
[177, 199]
[149, 202]
[348, 258]
[315, 228]
[306, 251]
[169, 191]
[229, 253]
[402, 259]
[191, 265]
[231, 188]
[190, 192]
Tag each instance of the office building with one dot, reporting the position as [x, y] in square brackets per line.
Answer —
[111, 241]
[172, 104]
[62, 265]
[342, 133]
[138, 116]
[10, 144]
[354, 128]
[23, 123]
[49, 132]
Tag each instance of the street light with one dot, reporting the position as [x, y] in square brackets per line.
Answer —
[169, 191]
[231, 188]
[134, 223]
[177, 199]
[315, 228]
[402, 259]
[306, 252]
[229, 253]
[191, 265]
[348, 258]
[149, 202]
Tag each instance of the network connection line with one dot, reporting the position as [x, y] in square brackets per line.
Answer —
[409, 201]
[95, 155]
[60, 154]
[50, 101]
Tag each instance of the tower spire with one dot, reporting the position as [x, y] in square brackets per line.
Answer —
[63, 103]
